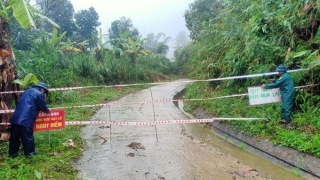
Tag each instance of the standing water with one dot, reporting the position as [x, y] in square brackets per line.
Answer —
[213, 139]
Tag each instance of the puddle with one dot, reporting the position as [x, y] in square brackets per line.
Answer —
[214, 140]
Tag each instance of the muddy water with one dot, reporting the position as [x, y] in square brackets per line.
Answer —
[264, 166]
[274, 171]
[171, 151]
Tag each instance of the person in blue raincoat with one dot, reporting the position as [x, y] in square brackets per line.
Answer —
[30, 103]
[287, 91]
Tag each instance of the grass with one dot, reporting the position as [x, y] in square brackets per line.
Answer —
[242, 146]
[55, 160]
[303, 136]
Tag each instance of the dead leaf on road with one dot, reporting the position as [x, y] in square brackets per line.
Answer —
[136, 145]
[161, 177]
[130, 154]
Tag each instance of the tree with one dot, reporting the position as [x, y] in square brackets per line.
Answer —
[181, 40]
[118, 28]
[22, 38]
[157, 43]
[87, 22]
[61, 12]
[119, 32]
[162, 49]
[134, 48]
[201, 11]
[100, 48]
[24, 15]
[254, 36]
[181, 58]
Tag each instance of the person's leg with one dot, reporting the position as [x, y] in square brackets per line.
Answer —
[14, 141]
[287, 106]
[28, 141]
[290, 109]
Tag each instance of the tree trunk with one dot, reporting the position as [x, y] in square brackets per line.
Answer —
[7, 76]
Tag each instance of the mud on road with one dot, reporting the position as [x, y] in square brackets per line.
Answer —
[172, 151]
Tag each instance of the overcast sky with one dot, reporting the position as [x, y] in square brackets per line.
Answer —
[148, 16]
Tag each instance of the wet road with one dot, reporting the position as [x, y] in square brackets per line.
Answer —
[172, 151]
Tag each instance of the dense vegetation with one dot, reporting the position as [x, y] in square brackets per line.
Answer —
[232, 38]
[59, 149]
[229, 38]
[70, 53]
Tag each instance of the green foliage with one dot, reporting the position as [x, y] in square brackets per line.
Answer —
[27, 81]
[157, 43]
[100, 48]
[61, 12]
[181, 58]
[134, 48]
[55, 39]
[87, 22]
[119, 28]
[307, 101]
[155, 63]
[22, 13]
[53, 60]
[233, 38]
[3, 11]
[303, 136]
[199, 13]
[54, 159]
[242, 146]
[245, 37]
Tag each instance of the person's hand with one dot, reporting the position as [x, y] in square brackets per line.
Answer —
[271, 80]
[263, 85]
[47, 113]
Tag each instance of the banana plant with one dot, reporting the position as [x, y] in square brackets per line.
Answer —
[55, 38]
[28, 80]
[71, 46]
[134, 48]
[24, 13]
[117, 43]
[100, 48]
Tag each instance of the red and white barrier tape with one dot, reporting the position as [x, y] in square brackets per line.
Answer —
[145, 102]
[6, 111]
[140, 84]
[136, 102]
[86, 87]
[152, 123]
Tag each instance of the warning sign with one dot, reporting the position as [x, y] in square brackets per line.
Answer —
[258, 95]
[54, 120]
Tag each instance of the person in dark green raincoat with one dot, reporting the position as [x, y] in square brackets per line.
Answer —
[287, 91]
